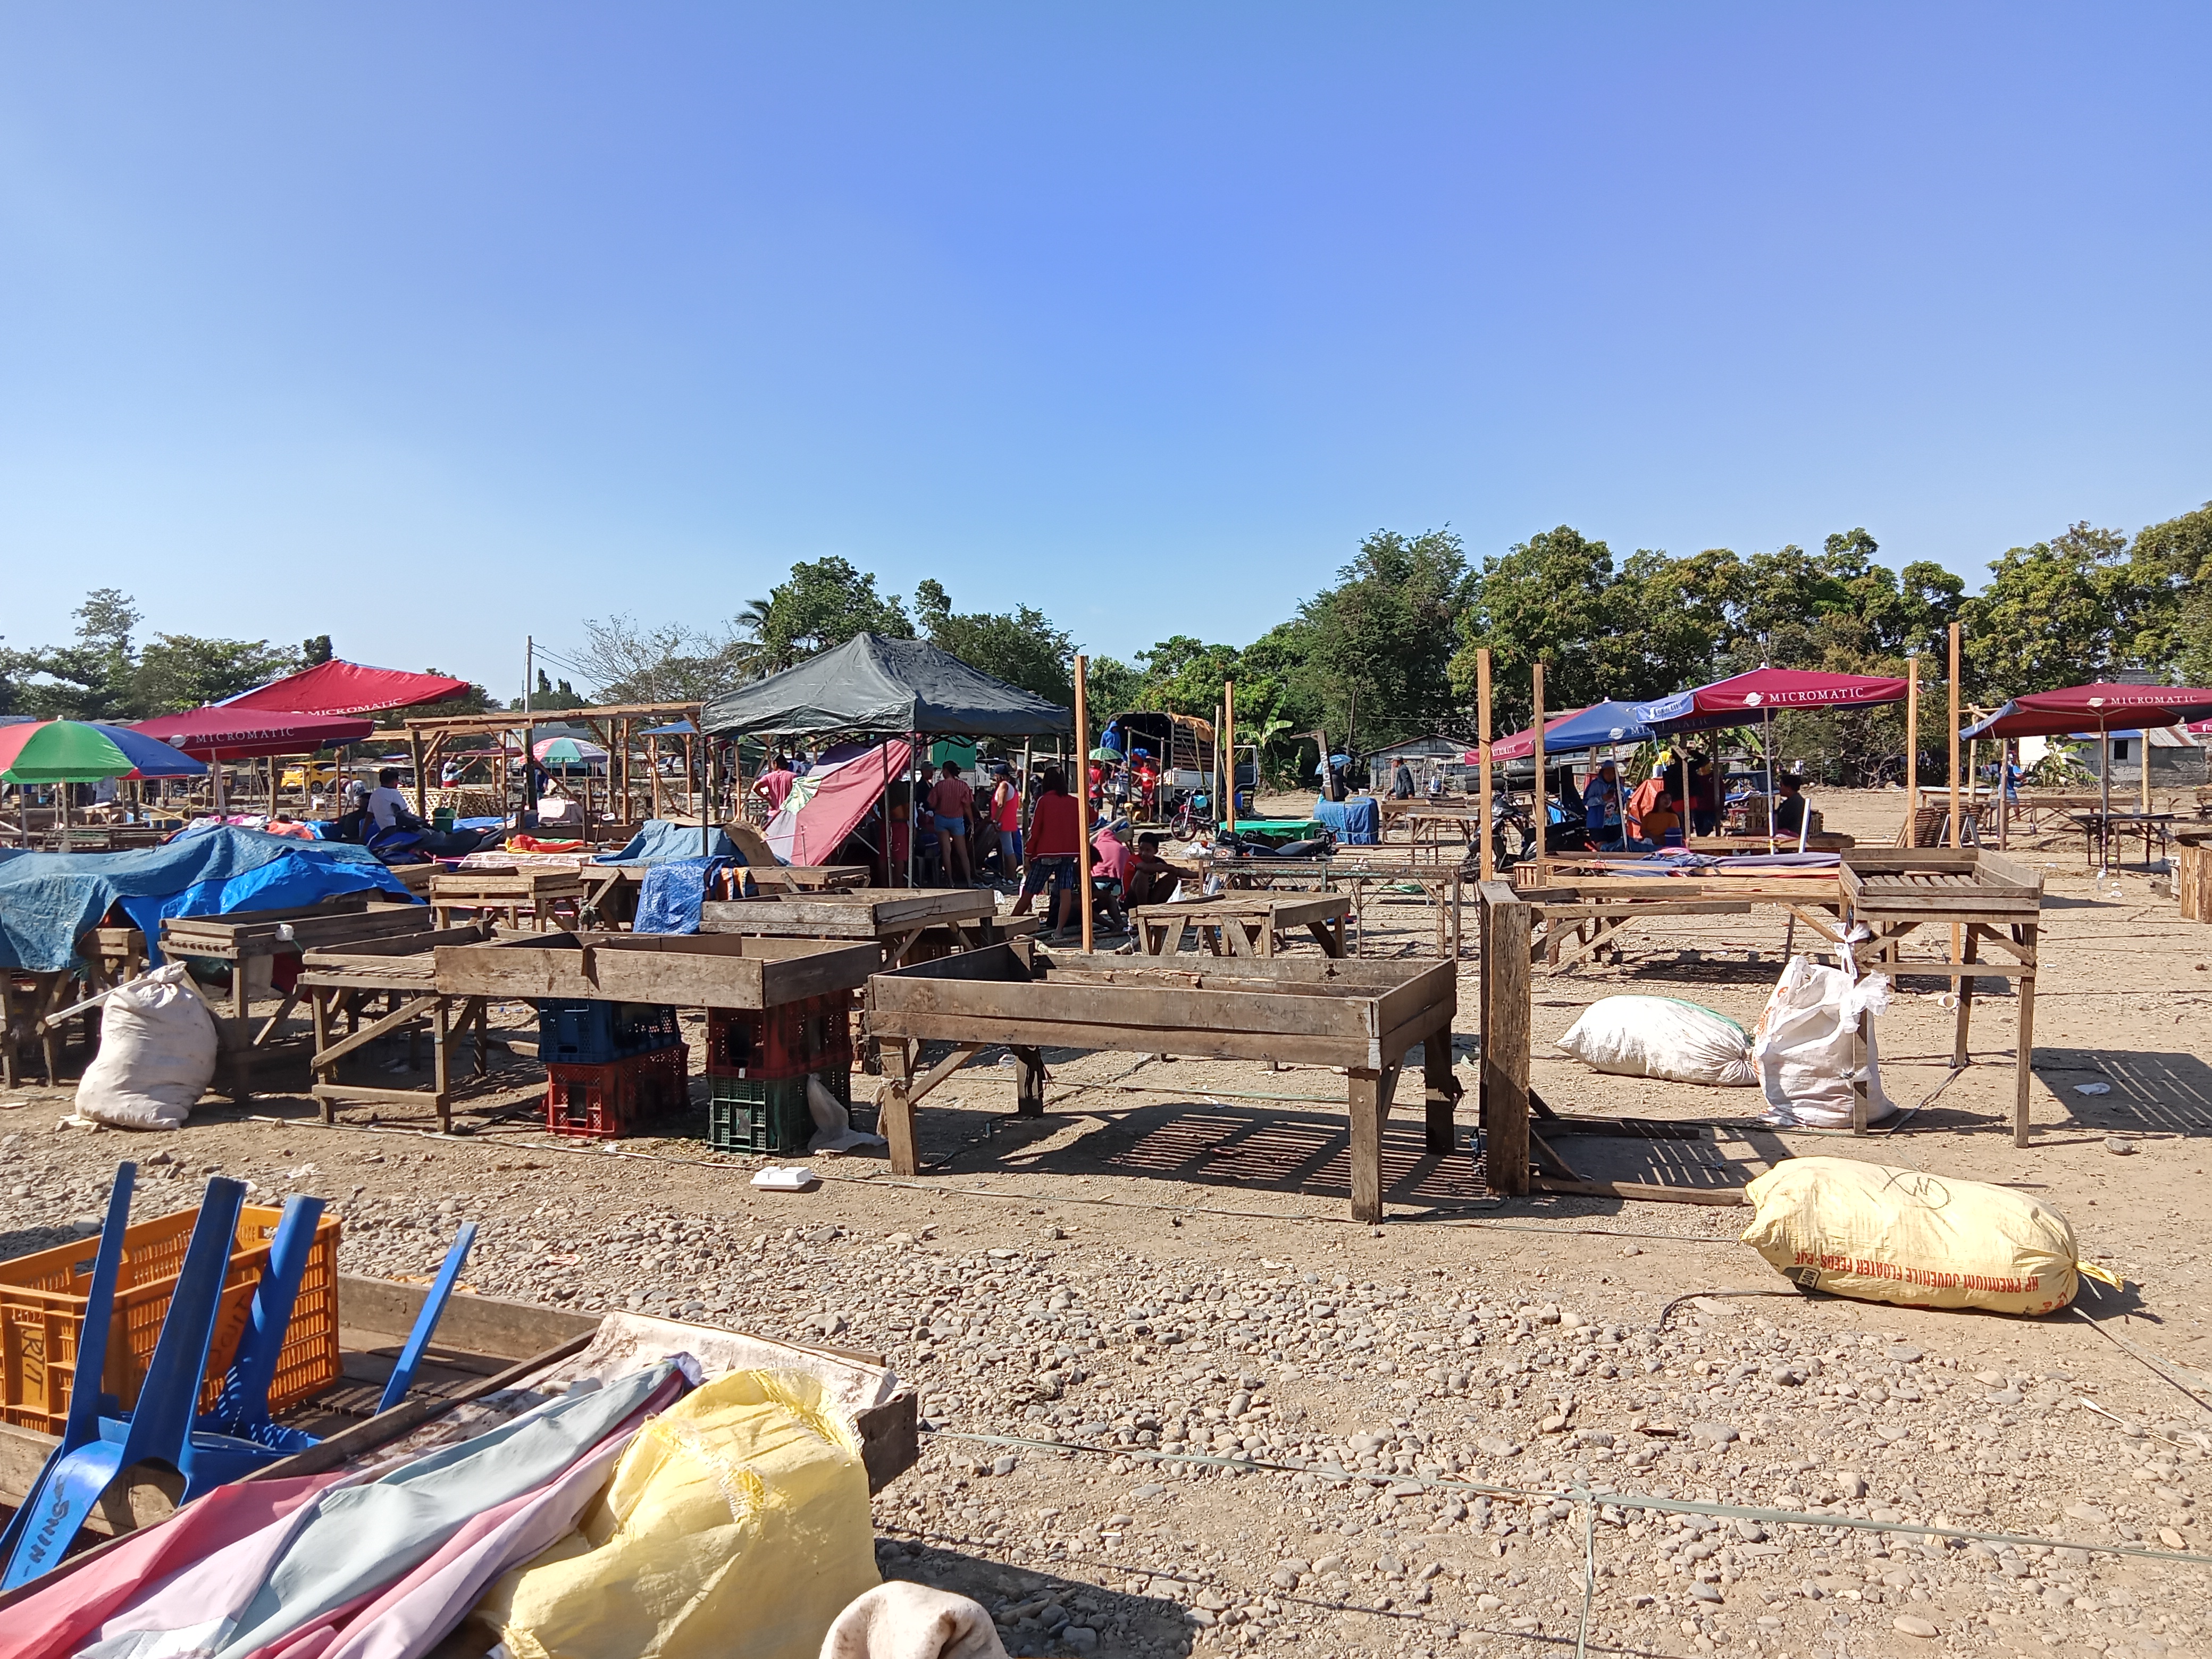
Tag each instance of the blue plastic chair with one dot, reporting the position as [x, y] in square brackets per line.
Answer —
[159, 1428]
[241, 1409]
[426, 1323]
[81, 1426]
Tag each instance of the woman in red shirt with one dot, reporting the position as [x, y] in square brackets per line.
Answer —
[1050, 848]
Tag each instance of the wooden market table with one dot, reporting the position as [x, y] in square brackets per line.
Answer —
[540, 890]
[245, 937]
[1242, 924]
[341, 980]
[690, 970]
[2101, 830]
[899, 919]
[28, 999]
[2192, 876]
[1973, 897]
[1363, 1015]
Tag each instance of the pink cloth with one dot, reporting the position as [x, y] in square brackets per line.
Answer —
[773, 786]
[55, 1621]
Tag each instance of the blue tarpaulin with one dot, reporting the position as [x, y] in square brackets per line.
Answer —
[674, 889]
[49, 900]
[1355, 822]
[658, 840]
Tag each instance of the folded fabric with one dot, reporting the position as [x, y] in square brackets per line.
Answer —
[902, 1621]
[735, 1527]
[355, 1540]
[673, 891]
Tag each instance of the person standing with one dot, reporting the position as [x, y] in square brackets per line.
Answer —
[775, 784]
[1052, 847]
[1005, 810]
[1601, 807]
[952, 801]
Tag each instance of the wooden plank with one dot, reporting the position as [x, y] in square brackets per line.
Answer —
[727, 970]
[1722, 1197]
[1368, 1107]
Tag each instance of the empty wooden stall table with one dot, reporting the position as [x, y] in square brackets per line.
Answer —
[509, 893]
[1971, 898]
[1363, 1015]
[691, 971]
[903, 921]
[341, 982]
[1242, 924]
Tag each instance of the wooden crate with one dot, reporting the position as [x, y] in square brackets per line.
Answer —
[695, 970]
[1897, 885]
[2193, 876]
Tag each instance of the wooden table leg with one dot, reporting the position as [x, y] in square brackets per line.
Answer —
[319, 1005]
[1369, 1106]
[1440, 1089]
[1969, 952]
[1861, 1046]
[1505, 1015]
[6, 1030]
[441, 1062]
[1028, 1082]
[894, 1113]
[2024, 1067]
[479, 1010]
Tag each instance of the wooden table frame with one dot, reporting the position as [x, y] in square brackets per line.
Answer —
[690, 970]
[1363, 1015]
[341, 980]
[1986, 898]
[1242, 924]
[540, 891]
[1593, 913]
[896, 918]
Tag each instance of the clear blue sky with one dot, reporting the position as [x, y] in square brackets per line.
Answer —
[429, 325]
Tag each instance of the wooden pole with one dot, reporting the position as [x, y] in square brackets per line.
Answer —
[414, 752]
[1957, 839]
[1912, 745]
[2143, 790]
[1542, 811]
[1482, 749]
[1228, 723]
[1083, 799]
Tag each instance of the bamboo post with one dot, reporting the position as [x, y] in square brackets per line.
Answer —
[1083, 800]
[2142, 793]
[414, 752]
[1542, 811]
[1912, 745]
[1482, 749]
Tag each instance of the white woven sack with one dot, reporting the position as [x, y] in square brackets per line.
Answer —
[1802, 1047]
[157, 1054]
[1662, 1037]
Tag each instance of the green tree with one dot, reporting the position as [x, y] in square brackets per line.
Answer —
[1553, 599]
[1020, 646]
[181, 670]
[2172, 565]
[1111, 687]
[90, 680]
[823, 603]
[315, 650]
[2059, 613]
[1380, 643]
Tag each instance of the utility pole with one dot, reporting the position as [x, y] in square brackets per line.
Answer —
[528, 683]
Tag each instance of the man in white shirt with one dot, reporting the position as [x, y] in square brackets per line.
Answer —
[386, 799]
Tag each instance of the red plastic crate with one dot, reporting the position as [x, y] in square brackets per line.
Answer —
[787, 1041]
[605, 1101]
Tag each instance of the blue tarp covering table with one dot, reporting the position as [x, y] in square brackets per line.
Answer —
[1355, 822]
[49, 900]
[658, 840]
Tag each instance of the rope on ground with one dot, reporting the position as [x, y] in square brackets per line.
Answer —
[1591, 1495]
[2161, 1369]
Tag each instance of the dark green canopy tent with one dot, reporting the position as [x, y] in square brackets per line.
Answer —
[871, 684]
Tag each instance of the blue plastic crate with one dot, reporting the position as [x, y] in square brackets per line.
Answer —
[575, 1032]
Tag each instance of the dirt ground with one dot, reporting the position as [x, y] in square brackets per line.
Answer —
[1165, 1264]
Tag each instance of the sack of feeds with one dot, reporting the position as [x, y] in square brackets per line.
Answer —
[1664, 1037]
[1919, 1240]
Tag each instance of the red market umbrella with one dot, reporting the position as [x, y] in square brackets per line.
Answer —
[339, 687]
[1521, 744]
[227, 731]
[1748, 699]
[2102, 707]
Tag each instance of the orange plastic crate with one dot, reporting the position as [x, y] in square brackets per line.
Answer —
[42, 1299]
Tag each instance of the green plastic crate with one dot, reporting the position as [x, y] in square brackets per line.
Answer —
[767, 1116]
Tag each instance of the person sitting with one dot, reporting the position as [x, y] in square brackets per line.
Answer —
[1151, 879]
[1646, 794]
[558, 809]
[1662, 823]
[1050, 847]
[1602, 800]
[1789, 810]
[384, 800]
[1109, 871]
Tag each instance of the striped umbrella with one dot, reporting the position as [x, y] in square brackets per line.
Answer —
[82, 751]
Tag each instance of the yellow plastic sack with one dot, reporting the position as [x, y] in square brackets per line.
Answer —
[736, 1526]
[1885, 1234]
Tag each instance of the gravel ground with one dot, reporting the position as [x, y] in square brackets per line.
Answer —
[1164, 1266]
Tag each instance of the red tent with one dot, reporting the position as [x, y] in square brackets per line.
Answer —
[236, 734]
[1747, 699]
[2102, 706]
[1520, 745]
[348, 688]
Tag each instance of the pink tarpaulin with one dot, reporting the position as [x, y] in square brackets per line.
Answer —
[1747, 699]
[2102, 706]
[1521, 744]
[348, 688]
[828, 803]
[233, 732]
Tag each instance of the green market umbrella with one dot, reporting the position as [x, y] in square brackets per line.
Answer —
[84, 752]
[1105, 754]
[567, 752]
